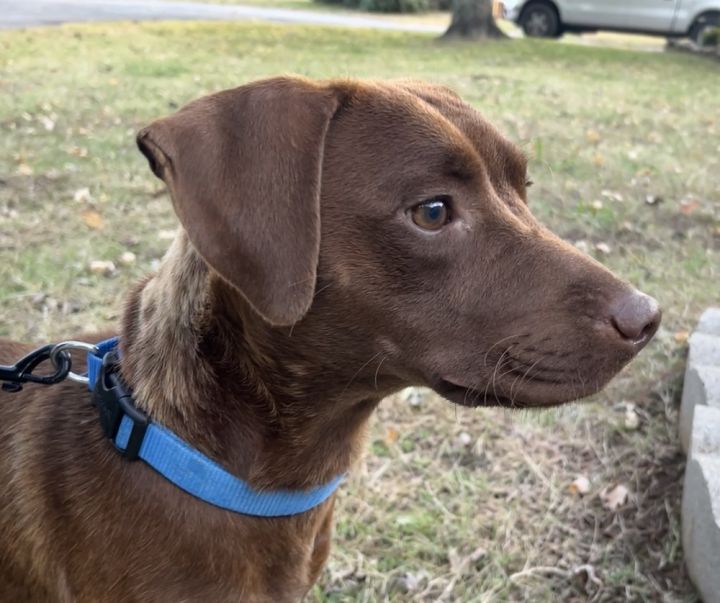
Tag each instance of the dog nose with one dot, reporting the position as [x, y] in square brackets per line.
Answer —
[635, 316]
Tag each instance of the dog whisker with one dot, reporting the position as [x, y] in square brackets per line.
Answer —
[317, 292]
[377, 370]
[302, 281]
[524, 376]
[498, 366]
[494, 345]
[347, 385]
[321, 289]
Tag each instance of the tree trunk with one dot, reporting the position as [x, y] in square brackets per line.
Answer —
[473, 19]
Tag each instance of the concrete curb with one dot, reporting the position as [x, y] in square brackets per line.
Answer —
[16, 14]
[700, 438]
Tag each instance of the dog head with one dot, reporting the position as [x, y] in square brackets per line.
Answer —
[386, 225]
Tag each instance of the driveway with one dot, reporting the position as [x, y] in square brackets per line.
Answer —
[16, 14]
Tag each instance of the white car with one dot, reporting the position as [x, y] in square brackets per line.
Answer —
[672, 18]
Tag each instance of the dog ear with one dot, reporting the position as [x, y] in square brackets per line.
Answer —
[243, 168]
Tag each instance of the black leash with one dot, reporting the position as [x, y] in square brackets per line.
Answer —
[13, 376]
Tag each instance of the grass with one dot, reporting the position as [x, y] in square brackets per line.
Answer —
[449, 504]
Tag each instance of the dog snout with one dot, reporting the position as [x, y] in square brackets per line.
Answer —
[635, 316]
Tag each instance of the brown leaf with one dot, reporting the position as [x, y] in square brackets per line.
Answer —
[592, 136]
[681, 336]
[688, 206]
[391, 435]
[93, 219]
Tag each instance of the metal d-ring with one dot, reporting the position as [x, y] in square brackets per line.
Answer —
[68, 346]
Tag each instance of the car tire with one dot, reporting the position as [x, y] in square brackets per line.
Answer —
[702, 25]
[540, 20]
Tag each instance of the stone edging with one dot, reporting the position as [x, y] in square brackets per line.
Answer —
[700, 439]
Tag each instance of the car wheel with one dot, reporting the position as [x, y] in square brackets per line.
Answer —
[702, 27]
[540, 20]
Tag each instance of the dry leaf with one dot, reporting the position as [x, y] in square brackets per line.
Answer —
[413, 396]
[478, 554]
[457, 563]
[582, 245]
[597, 205]
[391, 435]
[93, 219]
[464, 438]
[614, 498]
[24, 169]
[611, 195]
[411, 582]
[653, 199]
[127, 258]
[632, 420]
[580, 486]
[688, 206]
[166, 235]
[47, 123]
[592, 136]
[603, 248]
[106, 268]
[82, 195]
[598, 160]
[78, 151]
[681, 336]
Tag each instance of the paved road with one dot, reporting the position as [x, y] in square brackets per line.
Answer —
[28, 13]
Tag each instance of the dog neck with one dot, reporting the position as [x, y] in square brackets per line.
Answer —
[203, 364]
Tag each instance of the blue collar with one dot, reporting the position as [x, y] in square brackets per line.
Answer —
[136, 436]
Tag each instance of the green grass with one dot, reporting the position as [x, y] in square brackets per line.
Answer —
[426, 517]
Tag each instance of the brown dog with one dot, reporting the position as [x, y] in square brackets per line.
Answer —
[340, 240]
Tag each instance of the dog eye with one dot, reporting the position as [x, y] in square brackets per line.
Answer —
[432, 214]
